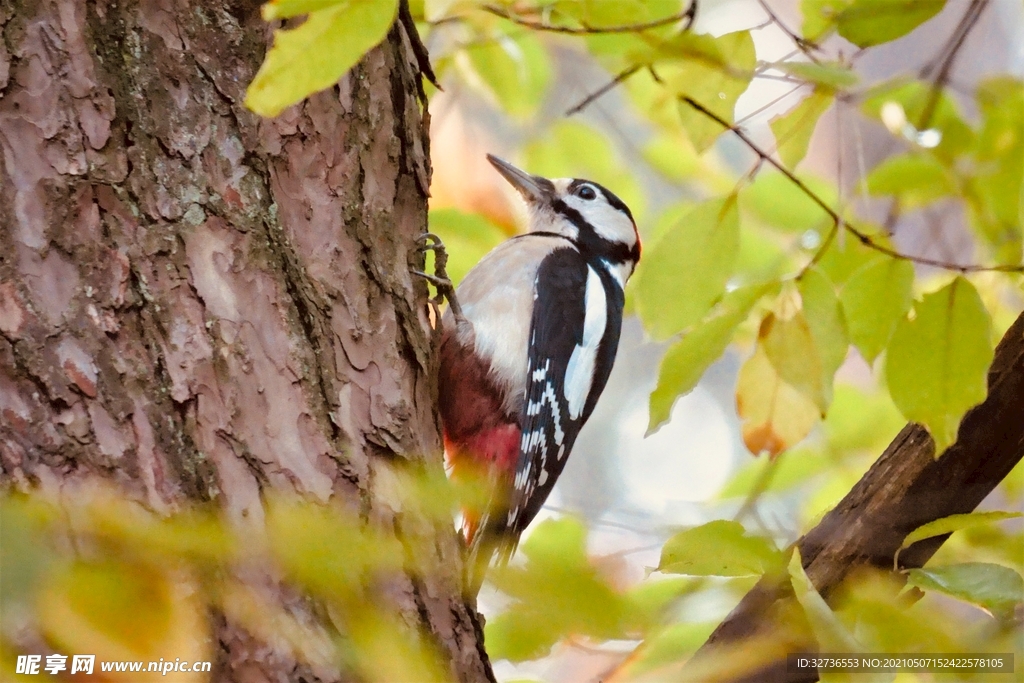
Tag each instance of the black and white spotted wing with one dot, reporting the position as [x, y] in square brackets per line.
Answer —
[577, 317]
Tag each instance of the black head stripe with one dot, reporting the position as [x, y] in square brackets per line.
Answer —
[590, 244]
[613, 200]
[609, 196]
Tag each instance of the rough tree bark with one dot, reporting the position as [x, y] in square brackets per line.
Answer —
[199, 304]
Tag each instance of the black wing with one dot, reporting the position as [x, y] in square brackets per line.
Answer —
[552, 414]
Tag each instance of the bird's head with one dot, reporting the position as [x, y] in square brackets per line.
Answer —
[588, 214]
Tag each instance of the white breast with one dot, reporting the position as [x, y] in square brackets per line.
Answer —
[497, 298]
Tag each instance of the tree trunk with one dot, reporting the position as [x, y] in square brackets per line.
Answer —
[199, 304]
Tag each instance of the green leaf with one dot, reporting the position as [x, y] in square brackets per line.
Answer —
[861, 421]
[947, 525]
[820, 16]
[714, 72]
[871, 22]
[25, 554]
[673, 156]
[937, 361]
[557, 593]
[827, 324]
[651, 599]
[516, 71]
[283, 9]
[875, 298]
[573, 149]
[776, 200]
[316, 54]
[718, 548]
[995, 588]
[684, 273]
[333, 570]
[994, 193]
[793, 129]
[916, 179]
[831, 634]
[666, 646]
[831, 75]
[790, 347]
[844, 256]
[790, 469]
[519, 635]
[685, 361]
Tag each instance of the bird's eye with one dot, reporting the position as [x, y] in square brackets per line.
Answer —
[586, 192]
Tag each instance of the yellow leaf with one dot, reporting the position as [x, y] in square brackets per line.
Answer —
[120, 611]
[789, 347]
[775, 415]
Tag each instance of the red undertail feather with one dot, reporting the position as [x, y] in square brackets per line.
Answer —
[481, 441]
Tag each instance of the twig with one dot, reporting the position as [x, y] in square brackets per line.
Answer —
[951, 50]
[764, 480]
[688, 15]
[619, 78]
[772, 103]
[838, 221]
[802, 43]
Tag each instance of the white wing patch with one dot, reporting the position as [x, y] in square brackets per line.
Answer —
[579, 373]
[619, 271]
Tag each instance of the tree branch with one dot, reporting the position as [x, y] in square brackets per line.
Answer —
[905, 488]
[805, 46]
[688, 15]
[837, 220]
[951, 50]
[619, 78]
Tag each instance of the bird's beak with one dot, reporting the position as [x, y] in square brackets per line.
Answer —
[533, 188]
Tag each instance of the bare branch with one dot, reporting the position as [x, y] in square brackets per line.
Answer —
[688, 15]
[589, 99]
[805, 46]
[838, 221]
[950, 52]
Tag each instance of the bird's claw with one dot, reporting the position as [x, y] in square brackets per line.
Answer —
[431, 242]
[440, 279]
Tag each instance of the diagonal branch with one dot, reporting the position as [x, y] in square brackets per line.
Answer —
[688, 15]
[837, 220]
[619, 78]
[805, 46]
[950, 52]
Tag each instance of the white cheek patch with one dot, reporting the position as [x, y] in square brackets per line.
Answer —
[608, 222]
[579, 373]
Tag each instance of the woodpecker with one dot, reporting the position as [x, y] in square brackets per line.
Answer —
[527, 345]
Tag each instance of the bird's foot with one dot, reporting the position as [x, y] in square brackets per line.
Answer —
[445, 288]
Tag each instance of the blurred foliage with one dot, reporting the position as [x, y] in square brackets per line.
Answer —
[93, 573]
[845, 337]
